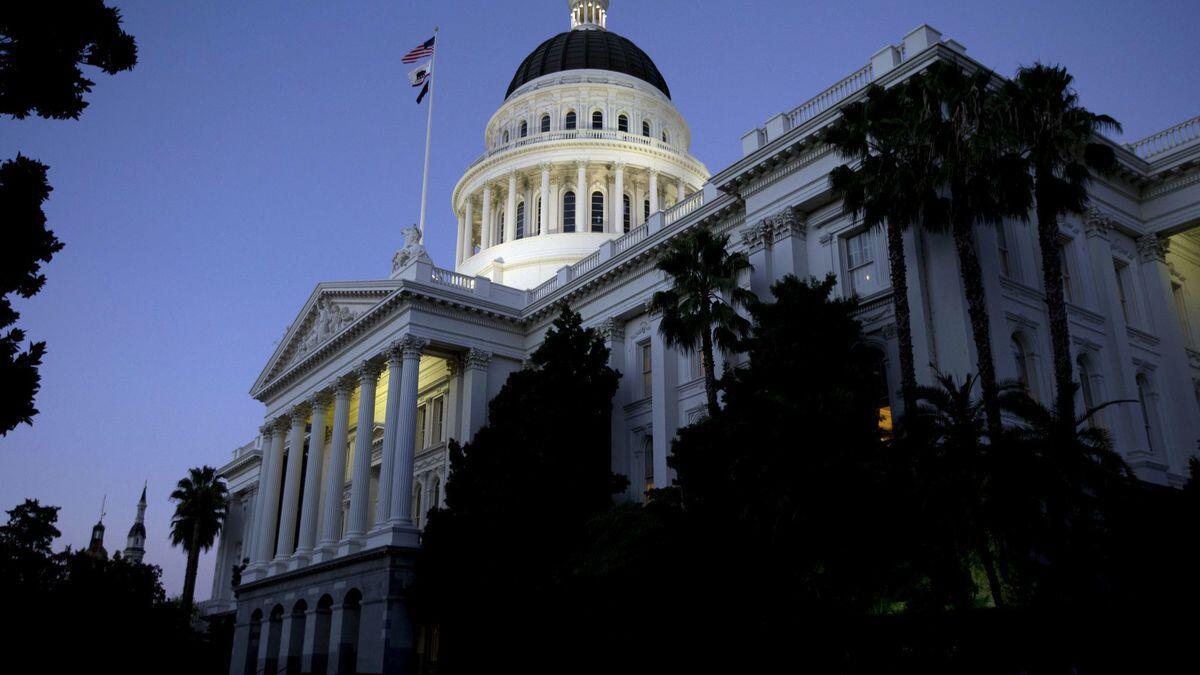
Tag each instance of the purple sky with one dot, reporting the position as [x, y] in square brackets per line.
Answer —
[259, 148]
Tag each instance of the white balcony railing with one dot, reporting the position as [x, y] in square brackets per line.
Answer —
[452, 279]
[578, 134]
[1167, 139]
[831, 96]
[683, 208]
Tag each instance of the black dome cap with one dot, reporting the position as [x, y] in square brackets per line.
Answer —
[588, 49]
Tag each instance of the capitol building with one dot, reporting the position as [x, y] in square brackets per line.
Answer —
[585, 175]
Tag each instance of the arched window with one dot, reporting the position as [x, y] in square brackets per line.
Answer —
[1022, 360]
[251, 664]
[568, 212]
[524, 128]
[1146, 402]
[597, 212]
[625, 213]
[520, 220]
[545, 123]
[274, 638]
[505, 137]
[646, 210]
[570, 122]
[296, 637]
[597, 120]
[348, 638]
[646, 128]
[623, 123]
[665, 137]
[321, 636]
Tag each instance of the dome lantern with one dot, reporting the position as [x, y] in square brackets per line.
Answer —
[588, 14]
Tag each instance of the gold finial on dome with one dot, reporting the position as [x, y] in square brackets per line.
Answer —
[588, 14]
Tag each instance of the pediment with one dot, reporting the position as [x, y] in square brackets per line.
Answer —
[331, 309]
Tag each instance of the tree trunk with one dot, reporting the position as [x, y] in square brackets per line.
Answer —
[1056, 308]
[899, 271]
[989, 569]
[710, 380]
[981, 329]
[189, 577]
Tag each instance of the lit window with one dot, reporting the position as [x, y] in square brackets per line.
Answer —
[570, 123]
[569, 212]
[884, 393]
[437, 423]
[524, 128]
[625, 212]
[597, 212]
[861, 269]
[1122, 271]
[421, 412]
[647, 464]
[597, 120]
[545, 123]
[646, 128]
[622, 123]
[1002, 247]
[520, 220]
[647, 368]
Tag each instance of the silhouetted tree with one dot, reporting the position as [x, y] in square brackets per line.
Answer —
[201, 500]
[42, 46]
[700, 310]
[518, 499]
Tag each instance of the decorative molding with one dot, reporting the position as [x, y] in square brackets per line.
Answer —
[755, 237]
[611, 330]
[1153, 248]
[477, 359]
[889, 331]
[1096, 223]
[788, 222]
[412, 346]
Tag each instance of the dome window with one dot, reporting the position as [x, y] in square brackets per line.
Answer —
[524, 128]
[569, 212]
[623, 123]
[520, 221]
[545, 123]
[625, 213]
[505, 137]
[597, 211]
[646, 128]
[665, 137]
[570, 122]
[597, 120]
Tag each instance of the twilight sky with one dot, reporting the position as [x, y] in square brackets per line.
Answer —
[261, 147]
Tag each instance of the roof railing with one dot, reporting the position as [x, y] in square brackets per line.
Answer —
[1167, 139]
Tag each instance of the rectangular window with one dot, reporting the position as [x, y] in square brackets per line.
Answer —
[647, 464]
[646, 210]
[647, 368]
[597, 212]
[625, 215]
[437, 423]
[696, 365]
[862, 270]
[1002, 247]
[1122, 273]
[568, 213]
[421, 411]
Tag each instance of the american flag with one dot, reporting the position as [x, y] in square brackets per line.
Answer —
[420, 51]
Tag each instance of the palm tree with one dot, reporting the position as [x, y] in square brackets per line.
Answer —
[700, 310]
[201, 500]
[984, 181]
[887, 135]
[1057, 137]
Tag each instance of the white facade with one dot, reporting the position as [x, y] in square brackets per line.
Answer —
[429, 347]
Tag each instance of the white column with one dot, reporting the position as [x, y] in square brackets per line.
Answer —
[468, 243]
[581, 198]
[401, 514]
[544, 219]
[458, 243]
[664, 401]
[335, 478]
[453, 398]
[653, 197]
[360, 480]
[254, 525]
[289, 509]
[474, 407]
[488, 236]
[391, 423]
[618, 198]
[312, 476]
[269, 497]
[510, 209]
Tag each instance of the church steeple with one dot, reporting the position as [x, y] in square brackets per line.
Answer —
[96, 544]
[135, 543]
[588, 14]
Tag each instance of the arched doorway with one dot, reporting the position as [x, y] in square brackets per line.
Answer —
[296, 638]
[274, 637]
[253, 643]
[348, 638]
[320, 648]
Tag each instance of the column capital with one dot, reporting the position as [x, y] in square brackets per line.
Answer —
[267, 430]
[581, 164]
[1153, 248]
[368, 370]
[410, 346]
[477, 359]
[755, 237]
[619, 165]
[299, 413]
[611, 330]
[343, 386]
[786, 223]
[1096, 223]
[652, 172]
[545, 167]
[320, 400]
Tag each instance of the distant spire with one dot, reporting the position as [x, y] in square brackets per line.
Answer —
[135, 543]
[588, 14]
[96, 545]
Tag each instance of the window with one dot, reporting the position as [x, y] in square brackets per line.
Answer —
[625, 212]
[879, 366]
[647, 464]
[646, 210]
[437, 426]
[1002, 248]
[545, 123]
[647, 368]
[569, 212]
[695, 365]
[416, 505]
[1064, 257]
[570, 123]
[622, 123]
[1122, 271]
[435, 494]
[1181, 308]
[861, 269]
[499, 219]
[664, 136]
[505, 137]
[1143, 388]
[597, 212]
[1087, 387]
[520, 220]
[422, 411]
[524, 128]
[1022, 361]
[536, 226]
[646, 128]
[597, 120]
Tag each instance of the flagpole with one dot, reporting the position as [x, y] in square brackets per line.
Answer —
[428, 129]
